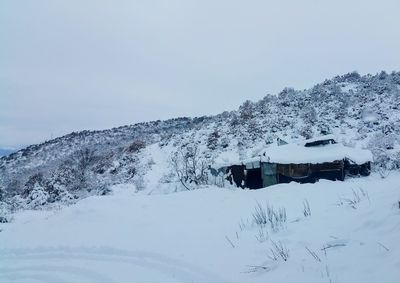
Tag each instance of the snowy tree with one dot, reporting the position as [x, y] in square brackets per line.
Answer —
[136, 146]
[309, 115]
[385, 156]
[189, 166]
[306, 132]
[2, 193]
[37, 197]
[5, 212]
[213, 139]
[287, 96]
[247, 111]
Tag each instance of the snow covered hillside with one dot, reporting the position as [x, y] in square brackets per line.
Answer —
[112, 206]
[324, 232]
[361, 111]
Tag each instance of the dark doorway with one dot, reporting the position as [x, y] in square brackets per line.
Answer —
[253, 179]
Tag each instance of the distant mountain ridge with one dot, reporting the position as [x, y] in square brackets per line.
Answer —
[6, 151]
[363, 110]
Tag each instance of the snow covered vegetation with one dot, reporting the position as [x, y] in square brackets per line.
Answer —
[141, 203]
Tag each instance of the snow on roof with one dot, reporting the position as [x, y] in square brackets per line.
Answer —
[227, 158]
[295, 153]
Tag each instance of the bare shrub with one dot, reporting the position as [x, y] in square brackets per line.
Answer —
[139, 183]
[136, 146]
[332, 245]
[260, 215]
[242, 224]
[275, 218]
[383, 246]
[213, 138]
[355, 199]
[262, 235]
[79, 166]
[5, 212]
[313, 254]
[189, 166]
[306, 208]
[256, 268]
[229, 241]
[278, 251]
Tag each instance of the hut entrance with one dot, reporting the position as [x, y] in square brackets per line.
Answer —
[269, 174]
[254, 179]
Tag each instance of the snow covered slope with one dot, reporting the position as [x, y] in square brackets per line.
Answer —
[361, 111]
[350, 233]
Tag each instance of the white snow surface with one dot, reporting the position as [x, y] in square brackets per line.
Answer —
[195, 236]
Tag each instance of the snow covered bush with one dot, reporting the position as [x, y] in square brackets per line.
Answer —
[385, 150]
[246, 111]
[189, 166]
[2, 193]
[15, 203]
[139, 183]
[5, 212]
[306, 132]
[136, 146]
[309, 115]
[167, 178]
[213, 139]
[84, 159]
[102, 190]
[37, 197]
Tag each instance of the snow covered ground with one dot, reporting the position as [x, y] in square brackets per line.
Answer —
[208, 235]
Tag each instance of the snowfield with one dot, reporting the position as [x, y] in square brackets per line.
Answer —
[208, 235]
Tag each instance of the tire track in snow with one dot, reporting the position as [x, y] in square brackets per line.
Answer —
[41, 273]
[175, 268]
[35, 277]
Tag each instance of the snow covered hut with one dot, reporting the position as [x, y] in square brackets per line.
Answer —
[306, 162]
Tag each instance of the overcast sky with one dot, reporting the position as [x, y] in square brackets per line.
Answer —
[73, 65]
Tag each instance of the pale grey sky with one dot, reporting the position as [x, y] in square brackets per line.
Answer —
[93, 64]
